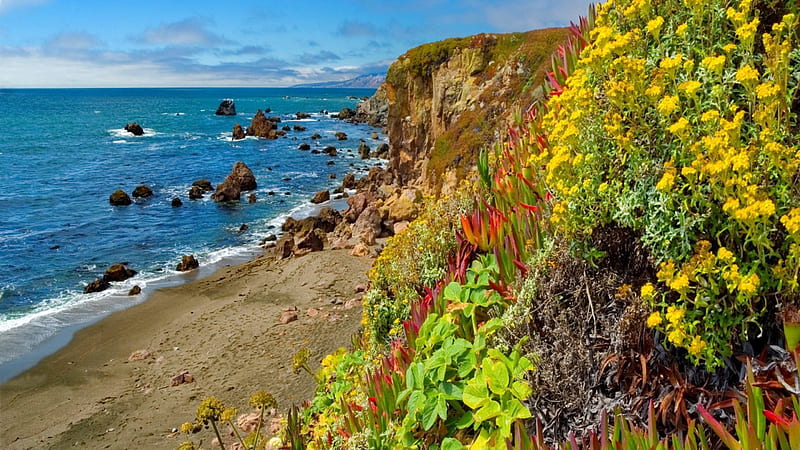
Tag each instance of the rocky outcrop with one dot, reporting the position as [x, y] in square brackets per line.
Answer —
[118, 272]
[119, 198]
[240, 179]
[340, 135]
[142, 191]
[134, 129]
[195, 193]
[262, 127]
[382, 151]
[204, 185]
[226, 108]
[238, 132]
[321, 196]
[98, 285]
[363, 150]
[346, 113]
[188, 262]
[374, 110]
[447, 99]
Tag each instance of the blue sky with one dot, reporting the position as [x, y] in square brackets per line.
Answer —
[107, 43]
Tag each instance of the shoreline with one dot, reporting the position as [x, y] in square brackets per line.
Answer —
[223, 328]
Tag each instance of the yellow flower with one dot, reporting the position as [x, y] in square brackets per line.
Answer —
[747, 31]
[749, 284]
[228, 414]
[602, 188]
[728, 48]
[654, 26]
[697, 346]
[668, 105]
[679, 128]
[654, 91]
[688, 171]
[792, 221]
[689, 87]
[747, 75]
[675, 315]
[676, 336]
[670, 64]
[714, 63]
[709, 116]
[679, 283]
[648, 291]
[654, 320]
[667, 181]
[681, 30]
[767, 90]
[725, 255]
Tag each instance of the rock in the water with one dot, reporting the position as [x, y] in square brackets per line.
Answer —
[346, 113]
[188, 262]
[321, 196]
[238, 132]
[118, 272]
[177, 203]
[119, 198]
[97, 285]
[363, 150]
[286, 128]
[195, 193]
[136, 290]
[244, 227]
[285, 246]
[240, 179]
[226, 108]
[142, 191]
[330, 150]
[374, 135]
[205, 185]
[262, 127]
[341, 135]
[349, 181]
[304, 146]
[316, 136]
[332, 176]
[134, 128]
[302, 115]
[299, 128]
[382, 151]
[251, 198]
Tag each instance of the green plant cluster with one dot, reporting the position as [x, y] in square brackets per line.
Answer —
[411, 261]
[677, 123]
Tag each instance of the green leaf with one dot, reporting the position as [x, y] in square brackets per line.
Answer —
[520, 390]
[514, 409]
[451, 444]
[429, 413]
[452, 291]
[441, 407]
[414, 375]
[488, 411]
[416, 402]
[497, 375]
[476, 394]
[491, 326]
[465, 421]
[451, 391]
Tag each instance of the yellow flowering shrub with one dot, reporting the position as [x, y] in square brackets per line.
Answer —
[681, 110]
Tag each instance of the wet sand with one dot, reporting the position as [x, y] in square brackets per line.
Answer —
[223, 329]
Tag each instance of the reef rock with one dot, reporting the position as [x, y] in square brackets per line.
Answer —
[240, 179]
[205, 185]
[119, 198]
[340, 135]
[195, 193]
[142, 191]
[238, 132]
[226, 108]
[98, 285]
[363, 150]
[304, 146]
[118, 272]
[262, 127]
[134, 128]
[321, 196]
[177, 203]
[346, 113]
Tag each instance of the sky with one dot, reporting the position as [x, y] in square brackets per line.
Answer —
[204, 43]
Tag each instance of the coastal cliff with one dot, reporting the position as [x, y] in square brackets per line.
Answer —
[447, 100]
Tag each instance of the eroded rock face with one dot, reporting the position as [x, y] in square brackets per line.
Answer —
[374, 110]
[357, 204]
[363, 150]
[188, 262]
[134, 129]
[313, 241]
[119, 198]
[226, 108]
[349, 181]
[238, 132]
[368, 225]
[262, 127]
[284, 247]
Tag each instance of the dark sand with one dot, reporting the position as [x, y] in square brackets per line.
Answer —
[224, 329]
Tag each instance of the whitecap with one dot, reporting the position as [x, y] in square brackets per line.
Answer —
[120, 132]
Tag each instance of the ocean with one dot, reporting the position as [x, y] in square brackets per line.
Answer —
[64, 151]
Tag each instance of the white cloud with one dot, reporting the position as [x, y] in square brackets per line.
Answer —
[186, 32]
[6, 5]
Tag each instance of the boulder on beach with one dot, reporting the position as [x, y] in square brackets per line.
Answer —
[346, 113]
[321, 196]
[118, 272]
[285, 246]
[238, 132]
[134, 128]
[136, 290]
[262, 127]
[313, 241]
[97, 285]
[341, 135]
[226, 108]
[142, 191]
[188, 262]
[368, 225]
[119, 198]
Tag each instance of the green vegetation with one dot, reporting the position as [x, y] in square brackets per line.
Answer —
[671, 129]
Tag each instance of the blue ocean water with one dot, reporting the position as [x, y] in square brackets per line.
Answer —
[63, 151]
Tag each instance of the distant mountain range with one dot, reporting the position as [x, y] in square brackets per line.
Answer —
[368, 81]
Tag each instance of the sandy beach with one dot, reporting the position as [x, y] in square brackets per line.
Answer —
[223, 329]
